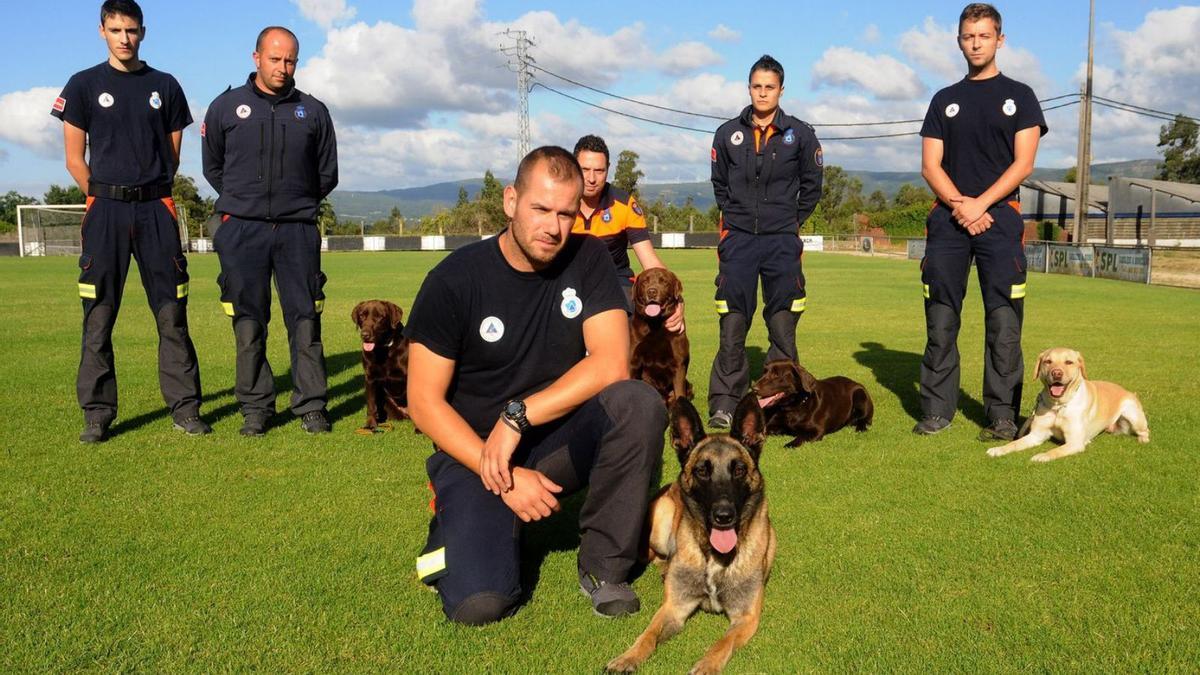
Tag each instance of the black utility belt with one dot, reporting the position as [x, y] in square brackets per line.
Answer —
[129, 193]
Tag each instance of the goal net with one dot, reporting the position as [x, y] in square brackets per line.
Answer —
[55, 229]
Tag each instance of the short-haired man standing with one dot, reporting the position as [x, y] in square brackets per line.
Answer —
[518, 373]
[979, 141]
[132, 118]
[766, 175]
[271, 155]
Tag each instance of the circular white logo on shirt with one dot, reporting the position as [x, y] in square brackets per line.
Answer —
[491, 329]
[243, 111]
[105, 100]
[736, 138]
[1010, 107]
[571, 304]
[952, 110]
[155, 100]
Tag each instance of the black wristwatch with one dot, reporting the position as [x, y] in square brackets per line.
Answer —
[514, 416]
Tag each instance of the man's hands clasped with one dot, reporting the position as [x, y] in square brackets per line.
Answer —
[529, 493]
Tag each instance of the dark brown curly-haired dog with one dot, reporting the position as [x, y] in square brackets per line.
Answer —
[384, 359]
[798, 404]
[658, 356]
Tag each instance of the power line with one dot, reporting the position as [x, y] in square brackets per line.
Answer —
[1156, 116]
[1148, 110]
[618, 112]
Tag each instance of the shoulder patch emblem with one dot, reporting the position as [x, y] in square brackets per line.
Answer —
[60, 104]
[243, 111]
[1010, 107]
[491, 329]
[633, 206]
[155, 100]
[203, 129]
[571, 305]
[952, 110]
[736, 138]
[789, 136]
[300, 112]
[819, 157]
[714, 150]
[106, 100]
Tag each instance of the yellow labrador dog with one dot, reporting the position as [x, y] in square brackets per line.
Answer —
[1074, 410]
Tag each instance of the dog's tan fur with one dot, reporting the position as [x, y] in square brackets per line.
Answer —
[1084, 410]
[695, 576]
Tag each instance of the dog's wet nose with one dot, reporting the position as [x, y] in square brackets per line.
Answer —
[1056, 373]
[723, 515]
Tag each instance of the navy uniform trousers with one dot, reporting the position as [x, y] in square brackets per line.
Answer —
[999, 255]
[112, 231]
[250, 252]
[742, 259]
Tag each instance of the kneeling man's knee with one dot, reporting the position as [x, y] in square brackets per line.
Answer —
[482, 608]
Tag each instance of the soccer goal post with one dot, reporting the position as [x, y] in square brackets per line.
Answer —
[56, 229]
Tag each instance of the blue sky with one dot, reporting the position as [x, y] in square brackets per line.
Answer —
[420, 95]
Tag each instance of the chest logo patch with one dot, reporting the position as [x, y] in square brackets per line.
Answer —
[571, 306]
[789, 137]
[736, 138]
[952, 110]
[491, 329]
[301, 113]
[243, 111]
[607, 217]
[155, 100]
[105, 100]
[1010, 107]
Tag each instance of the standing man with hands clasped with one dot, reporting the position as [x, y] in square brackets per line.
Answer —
[518, 372]
[123, 123]
[979, 141]
[270, 153]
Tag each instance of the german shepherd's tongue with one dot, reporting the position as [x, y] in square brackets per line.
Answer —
[723, 540]
[368, 346]
[653, 309]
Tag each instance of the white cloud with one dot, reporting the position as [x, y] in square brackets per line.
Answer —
[686, 57]
[934, 48]
[325, 13]
[871, 34]
[25, 120]
[881, 75]
[723, 33]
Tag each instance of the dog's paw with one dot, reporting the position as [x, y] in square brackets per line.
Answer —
[997, 451]
[1043, 457]
[1144, 438]
[622, 664]
[704, 667]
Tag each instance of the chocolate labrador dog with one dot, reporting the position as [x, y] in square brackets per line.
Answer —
[800, 405]
[384, 359]
[658, 356]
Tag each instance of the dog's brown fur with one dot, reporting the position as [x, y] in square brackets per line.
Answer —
[719, 484]
[385, 363]
[1082, 410]
[658, 356]
[798, 404]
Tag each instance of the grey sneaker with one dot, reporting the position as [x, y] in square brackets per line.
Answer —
[94, 432]
[255, 424]
[314, 422]
[609, 599]
[930, 425]
[193, 426]
[720, 420]
[999, 430]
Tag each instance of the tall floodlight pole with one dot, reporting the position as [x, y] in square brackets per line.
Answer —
[519, 61]
[1083, 166]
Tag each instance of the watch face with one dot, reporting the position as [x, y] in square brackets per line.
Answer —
[514, 409]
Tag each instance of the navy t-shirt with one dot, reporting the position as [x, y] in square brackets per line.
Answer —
[510, 333]
[978, 121]
[129, 119]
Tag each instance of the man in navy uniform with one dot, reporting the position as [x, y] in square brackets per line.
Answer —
[979, 141]
[766, 175]
[270, 153]
[131, 117]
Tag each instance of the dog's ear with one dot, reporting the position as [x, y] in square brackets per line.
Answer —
[808, 383]
[357, 312]
[686, 428]
[1082, 367]
[1041, 359]
[677, 289]
[395, 314]
[749, 425]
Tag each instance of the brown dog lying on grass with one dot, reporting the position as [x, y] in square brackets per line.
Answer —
[385, 361]
[800, 405]
[657, 355]
[710, 532]
[1074, 410]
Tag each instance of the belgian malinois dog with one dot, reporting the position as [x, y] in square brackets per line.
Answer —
[710, 532]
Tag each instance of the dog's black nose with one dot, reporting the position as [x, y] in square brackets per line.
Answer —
[723, 515]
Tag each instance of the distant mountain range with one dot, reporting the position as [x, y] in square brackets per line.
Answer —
[419, 202]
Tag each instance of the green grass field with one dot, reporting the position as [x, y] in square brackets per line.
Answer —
[157, 552]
